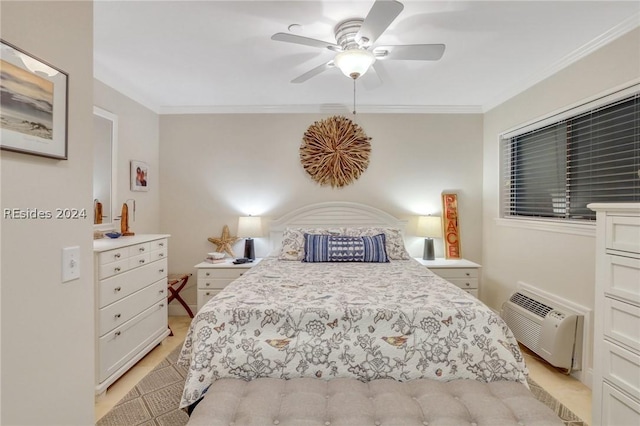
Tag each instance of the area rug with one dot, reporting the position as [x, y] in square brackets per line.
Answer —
[154, 400]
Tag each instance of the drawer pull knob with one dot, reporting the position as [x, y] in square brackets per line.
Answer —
[141, 261]
[161, 291]
[141, 249]
[207, 274]
[117, 316]
[117, 289]
[161, 270]
[161, 244]
[117, 255]
[162, 305]
[467, 274]
[208, 294]
[161, 255]
[117, 269]
[241, 273]
[467, 284]
[118, 333]
[208, 284]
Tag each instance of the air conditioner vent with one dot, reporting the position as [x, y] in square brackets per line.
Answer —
[530, 304]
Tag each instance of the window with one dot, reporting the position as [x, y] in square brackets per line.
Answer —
[554, 168]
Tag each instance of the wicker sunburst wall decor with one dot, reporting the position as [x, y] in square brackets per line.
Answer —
[335, 151]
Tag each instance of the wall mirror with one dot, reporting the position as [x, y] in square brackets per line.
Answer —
[105, 168]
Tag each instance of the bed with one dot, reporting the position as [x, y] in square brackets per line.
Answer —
[392, 319]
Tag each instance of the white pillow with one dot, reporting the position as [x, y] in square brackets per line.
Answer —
[293, 241]
[394, 243]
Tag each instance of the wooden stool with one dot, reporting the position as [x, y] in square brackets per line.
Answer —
[175, 284]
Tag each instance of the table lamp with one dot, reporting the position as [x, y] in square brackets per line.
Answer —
[429, 227]
[248, 228]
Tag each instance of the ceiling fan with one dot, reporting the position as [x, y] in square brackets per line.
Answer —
[355, 39]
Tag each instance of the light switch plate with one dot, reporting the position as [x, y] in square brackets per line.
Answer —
[70, 263]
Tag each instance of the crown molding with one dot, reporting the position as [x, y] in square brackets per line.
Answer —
[322, 109]
[629, 24]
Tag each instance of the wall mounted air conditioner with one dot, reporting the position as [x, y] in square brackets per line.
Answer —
[552, 332]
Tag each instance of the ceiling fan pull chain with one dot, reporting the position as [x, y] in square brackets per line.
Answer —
[354, 96]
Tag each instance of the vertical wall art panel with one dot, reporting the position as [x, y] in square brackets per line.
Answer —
[451, 226]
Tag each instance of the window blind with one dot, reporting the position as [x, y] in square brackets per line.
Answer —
[555, 170]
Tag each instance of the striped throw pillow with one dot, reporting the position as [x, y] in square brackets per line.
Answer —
[341, 248]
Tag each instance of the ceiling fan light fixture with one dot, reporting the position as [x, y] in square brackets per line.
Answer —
[354, 62]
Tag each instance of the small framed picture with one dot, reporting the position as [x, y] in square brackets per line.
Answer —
[33, 105]
[139, 176]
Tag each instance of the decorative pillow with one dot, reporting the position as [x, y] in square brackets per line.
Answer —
[341, 248]
[393, 237]
[293, 241]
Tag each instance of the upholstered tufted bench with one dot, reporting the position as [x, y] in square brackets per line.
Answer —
[306, 402]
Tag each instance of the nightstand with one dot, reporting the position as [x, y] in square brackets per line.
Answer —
[213, 277]
[461, 272]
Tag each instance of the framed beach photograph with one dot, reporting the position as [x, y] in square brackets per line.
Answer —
[33, 104]
[139, 176]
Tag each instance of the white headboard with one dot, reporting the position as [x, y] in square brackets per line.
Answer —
[332, 214]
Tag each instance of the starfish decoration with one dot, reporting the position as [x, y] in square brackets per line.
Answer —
[225, 242]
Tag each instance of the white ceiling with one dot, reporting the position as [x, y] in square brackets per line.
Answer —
[218, 56]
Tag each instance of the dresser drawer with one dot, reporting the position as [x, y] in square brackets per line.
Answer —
[113, 255]
[120, 345]
[159, 245]
[455, 272]
[618, 409]
[622, 368]
[158, 254]
[115, 288]
[114, 268]
[123, 310]
[473, 292]
[205, 295]
[226, 273]
[213, 284]
[623, 277]
[622, 322]
[465, 283]
[139, 260]
[623, 233]
[141, 248]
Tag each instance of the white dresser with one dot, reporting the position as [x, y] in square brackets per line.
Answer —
[213, 277]
[461, 272]
[616, 366]
[131, 302]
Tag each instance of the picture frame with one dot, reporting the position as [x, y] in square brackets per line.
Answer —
[34, 104]
[139, 176]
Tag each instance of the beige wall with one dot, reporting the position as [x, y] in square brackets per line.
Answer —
[215, 168]
[47, 326]
[138, 139]
[559, 263]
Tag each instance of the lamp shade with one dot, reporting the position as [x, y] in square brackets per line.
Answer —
[249, 227]
[430, 226]
[354, 62]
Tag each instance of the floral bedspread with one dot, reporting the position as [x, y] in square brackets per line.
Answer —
[396, 320]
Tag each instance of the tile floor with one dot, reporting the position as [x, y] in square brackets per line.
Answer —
[572, 393]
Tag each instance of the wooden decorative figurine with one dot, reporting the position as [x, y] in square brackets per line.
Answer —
[124, 221]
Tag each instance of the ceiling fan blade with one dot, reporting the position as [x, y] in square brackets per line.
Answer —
[414, 52]
[381, 15]
[292, 38]
[313, 72]
[372, 79]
